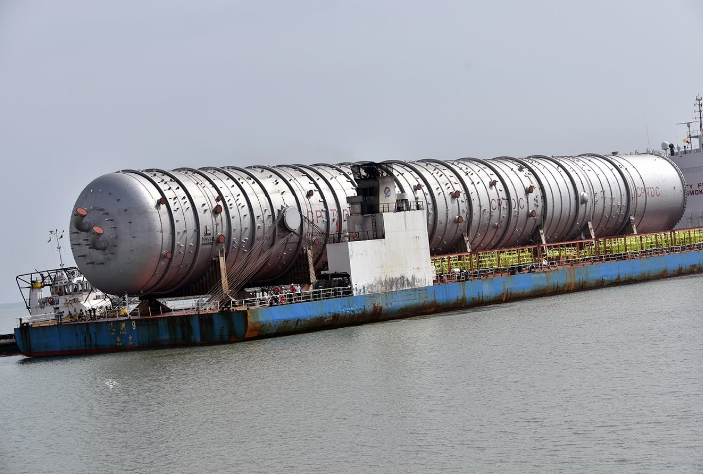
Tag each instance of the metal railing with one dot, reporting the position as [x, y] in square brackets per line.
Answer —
[462, 266]
[398, 206]
[196, 306]
[288, 297]
[532, 258]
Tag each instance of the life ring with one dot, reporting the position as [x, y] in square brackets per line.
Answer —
[282, 299]
[276, 290]
[50, 300]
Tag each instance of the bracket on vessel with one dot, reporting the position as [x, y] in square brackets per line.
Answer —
[631, 228]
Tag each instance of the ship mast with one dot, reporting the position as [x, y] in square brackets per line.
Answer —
[698, 107]
[57, 235]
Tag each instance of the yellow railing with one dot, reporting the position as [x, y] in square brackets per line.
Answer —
[567, 253]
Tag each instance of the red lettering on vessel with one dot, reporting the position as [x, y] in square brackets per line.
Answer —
[500, 203]
[651, 191]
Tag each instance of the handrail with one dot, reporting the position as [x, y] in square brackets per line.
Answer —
[538, 257]
[197, 306]
[451, 267]
[201, 306]
[288, 297]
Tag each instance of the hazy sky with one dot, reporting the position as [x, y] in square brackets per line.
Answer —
[88, 87]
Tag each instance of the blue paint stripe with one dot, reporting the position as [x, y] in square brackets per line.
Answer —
[168, 331]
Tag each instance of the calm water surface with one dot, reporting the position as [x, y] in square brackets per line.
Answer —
[601, 381]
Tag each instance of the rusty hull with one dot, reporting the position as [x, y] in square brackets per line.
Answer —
[278, 320]
[241, 325]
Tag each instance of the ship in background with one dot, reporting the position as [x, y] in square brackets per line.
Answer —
[690, 160]
[265, 251]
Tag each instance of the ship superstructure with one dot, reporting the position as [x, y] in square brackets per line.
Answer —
[689, 158]
[62, 294]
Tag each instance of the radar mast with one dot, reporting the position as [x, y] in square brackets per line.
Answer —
[697, 110]
[698, 107]
[56, 234]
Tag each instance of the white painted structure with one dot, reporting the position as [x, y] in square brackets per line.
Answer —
[70, 296]
[691, 165]
[690, 162]
[399, 260]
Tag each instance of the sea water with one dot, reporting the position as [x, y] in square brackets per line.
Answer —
[601, 381]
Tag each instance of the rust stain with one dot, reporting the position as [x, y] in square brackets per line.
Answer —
[572, 278]
[253, 330]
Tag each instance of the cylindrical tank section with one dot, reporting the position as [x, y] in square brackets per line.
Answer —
[156, 231]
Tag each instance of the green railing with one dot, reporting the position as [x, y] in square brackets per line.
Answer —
[566, 253]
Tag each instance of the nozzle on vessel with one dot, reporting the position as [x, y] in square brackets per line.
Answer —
[81, 221]
[98, 240]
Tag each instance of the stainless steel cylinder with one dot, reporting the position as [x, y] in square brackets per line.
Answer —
[156, 231]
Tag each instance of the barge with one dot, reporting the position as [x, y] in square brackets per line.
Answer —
[270, 251]
[464, 281]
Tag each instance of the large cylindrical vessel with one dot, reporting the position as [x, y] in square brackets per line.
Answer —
[156, 231]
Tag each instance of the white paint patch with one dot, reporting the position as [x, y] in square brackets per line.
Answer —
[400, 260]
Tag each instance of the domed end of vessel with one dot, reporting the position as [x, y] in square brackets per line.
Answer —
[116, 231]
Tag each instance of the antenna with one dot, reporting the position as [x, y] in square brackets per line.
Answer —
[56, 234]
[688, 138]
[699, 108]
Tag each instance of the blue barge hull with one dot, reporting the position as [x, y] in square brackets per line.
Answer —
[234, 326]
